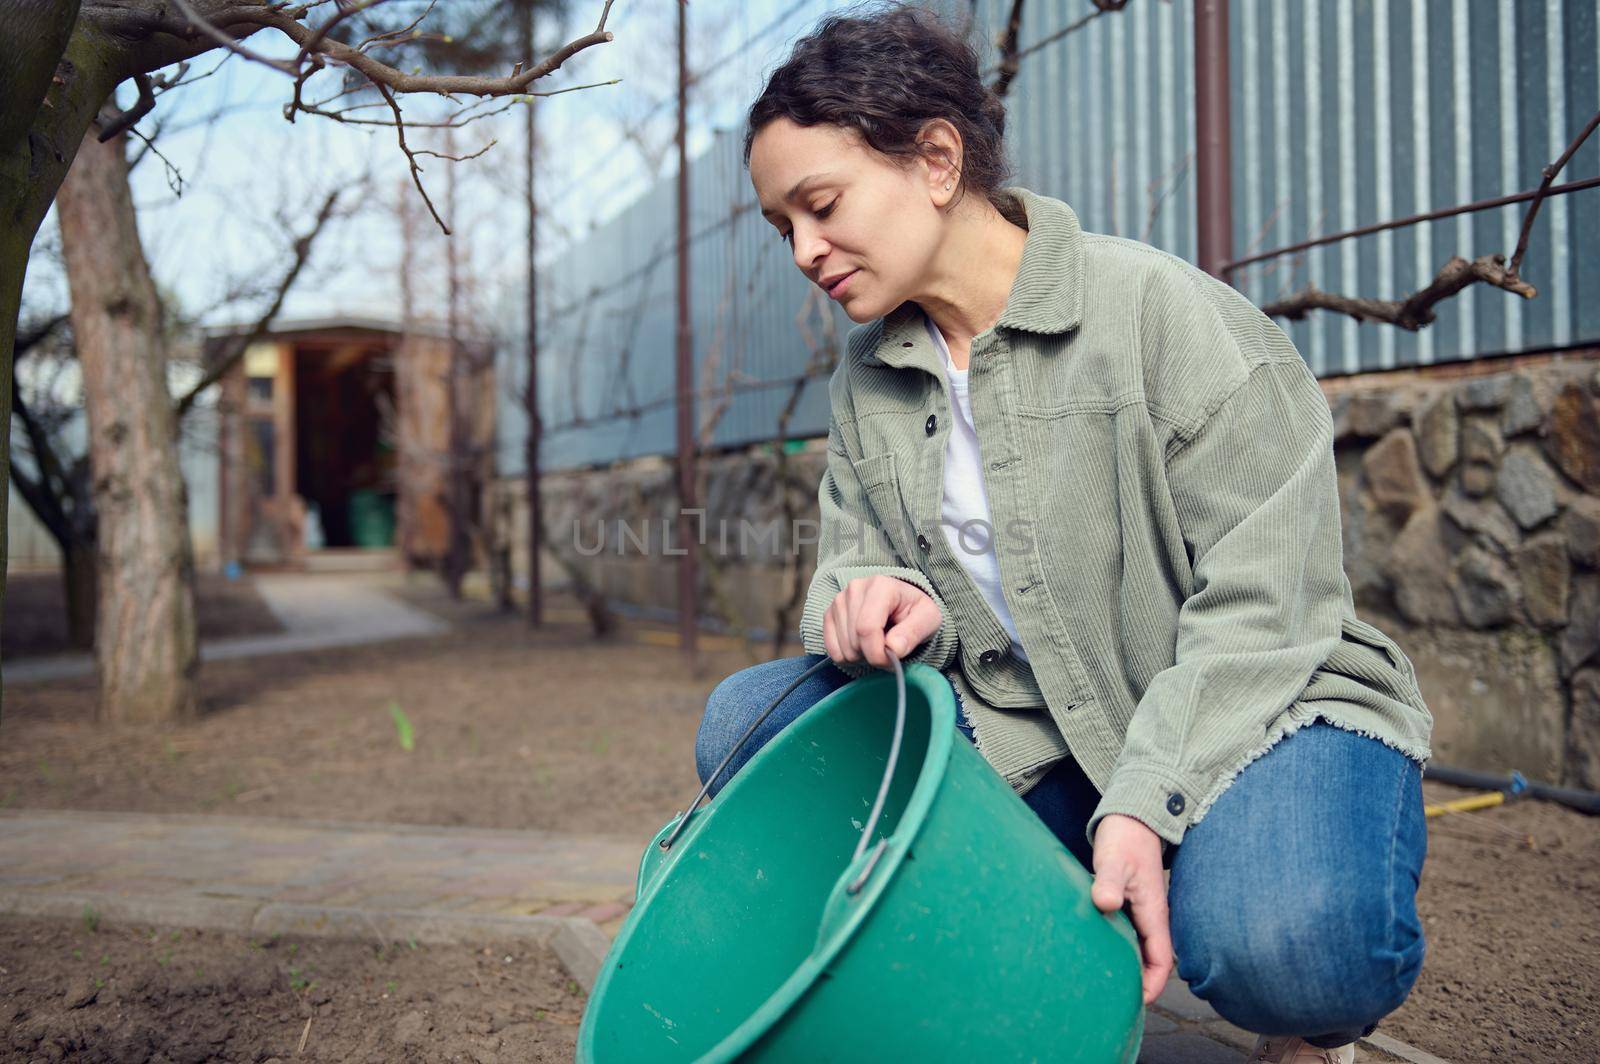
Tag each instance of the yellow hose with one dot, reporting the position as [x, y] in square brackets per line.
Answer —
[1461, 805]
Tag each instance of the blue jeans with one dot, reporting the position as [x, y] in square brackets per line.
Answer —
[1292, 904]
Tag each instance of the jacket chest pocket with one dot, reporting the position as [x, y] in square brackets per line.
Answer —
[881, 484]
[1075, 495]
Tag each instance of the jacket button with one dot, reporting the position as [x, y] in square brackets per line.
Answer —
[922, 541]
[1174, 803]
[989, 657]
[933, 423]
[906, 344]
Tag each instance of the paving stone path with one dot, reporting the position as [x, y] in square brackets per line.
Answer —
[317, 610]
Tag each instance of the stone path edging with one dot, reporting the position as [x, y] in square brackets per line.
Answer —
[577, 942]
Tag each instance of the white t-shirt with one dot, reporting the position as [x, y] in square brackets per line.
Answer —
[965, 499]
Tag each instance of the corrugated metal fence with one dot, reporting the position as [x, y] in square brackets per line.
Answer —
[1344, 113]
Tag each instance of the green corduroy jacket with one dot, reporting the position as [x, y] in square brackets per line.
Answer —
[1158, 460]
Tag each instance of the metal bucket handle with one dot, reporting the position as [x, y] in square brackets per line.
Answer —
[883, 787]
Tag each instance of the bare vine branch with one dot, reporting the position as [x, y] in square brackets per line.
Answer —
[1549, 174]
[1416, 310]
[1011, 56]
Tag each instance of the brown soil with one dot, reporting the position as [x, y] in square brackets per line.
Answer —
[156, 994]
[550, 730]
[36, 618]
[1512, 969]
[512, 729]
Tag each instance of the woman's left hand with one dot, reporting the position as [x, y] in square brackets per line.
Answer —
[1127, 867]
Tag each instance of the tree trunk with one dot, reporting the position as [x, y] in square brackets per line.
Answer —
[78, 570]
[36, 36]
[145, 641]
[530, 395]
[460, 503]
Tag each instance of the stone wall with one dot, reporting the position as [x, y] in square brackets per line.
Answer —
[1471, 503]
[1471, 509]
[617, 525]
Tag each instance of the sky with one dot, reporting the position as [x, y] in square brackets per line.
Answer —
[217, 213]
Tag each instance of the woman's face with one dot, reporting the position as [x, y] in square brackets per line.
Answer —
[851, 212]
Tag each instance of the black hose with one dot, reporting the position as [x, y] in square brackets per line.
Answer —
[1515, 785]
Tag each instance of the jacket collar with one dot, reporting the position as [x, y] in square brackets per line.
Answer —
[1046, 295]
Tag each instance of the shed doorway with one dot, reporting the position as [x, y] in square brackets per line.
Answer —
[344, 443]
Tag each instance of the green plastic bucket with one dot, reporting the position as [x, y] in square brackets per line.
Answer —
[971, 935]
[371, 519]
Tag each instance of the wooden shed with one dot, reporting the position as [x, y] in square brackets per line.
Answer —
[335, 442]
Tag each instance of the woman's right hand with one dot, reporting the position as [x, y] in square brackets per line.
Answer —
[875, 616]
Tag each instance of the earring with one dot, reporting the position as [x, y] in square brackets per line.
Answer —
[947, 185]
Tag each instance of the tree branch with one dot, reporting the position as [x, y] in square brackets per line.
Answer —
[314, 45]
[236, 346]
[36, 335]
[123, 121]
[45, 494]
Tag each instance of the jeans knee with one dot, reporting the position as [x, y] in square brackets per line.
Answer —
[730, 709]
[1299, 969]
[711, 741]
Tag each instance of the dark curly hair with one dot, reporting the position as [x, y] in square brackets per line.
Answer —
[884, 74]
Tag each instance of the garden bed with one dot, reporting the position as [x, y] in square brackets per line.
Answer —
[93, 992]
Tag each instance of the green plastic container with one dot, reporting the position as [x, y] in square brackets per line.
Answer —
[371, 519]
[973, 937]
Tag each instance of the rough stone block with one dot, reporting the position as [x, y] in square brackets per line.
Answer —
[1481, 449]
[1419, 569]
[1544, 572]
[1368, 537]
[1523, 411]
[1526, 486]
[1580, 639]
[1439, 434]
[1483, 519]
[1364, 415]
[1485, 589]
[1394, 475]
[1484, 393]
[1581, 527]
[1574, 440]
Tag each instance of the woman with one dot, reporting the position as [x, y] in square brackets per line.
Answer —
[1160, 651]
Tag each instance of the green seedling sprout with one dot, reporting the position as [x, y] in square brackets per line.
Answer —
[402, 726]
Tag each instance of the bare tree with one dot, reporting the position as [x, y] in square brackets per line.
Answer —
[55, 483]
[65, 58]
